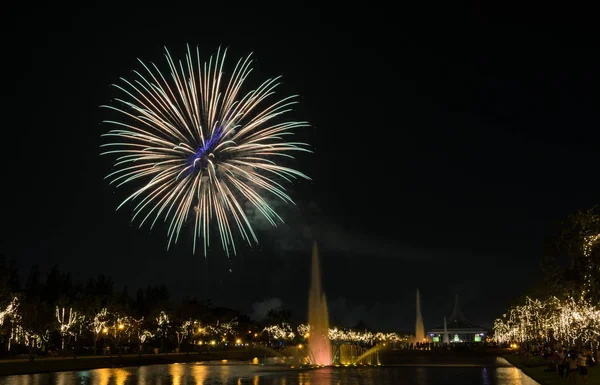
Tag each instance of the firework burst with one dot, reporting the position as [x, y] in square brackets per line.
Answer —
[198, 150]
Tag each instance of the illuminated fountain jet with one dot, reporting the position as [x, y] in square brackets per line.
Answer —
[319, 346]
[419, 327]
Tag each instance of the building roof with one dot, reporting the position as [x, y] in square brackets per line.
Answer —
[457, 320]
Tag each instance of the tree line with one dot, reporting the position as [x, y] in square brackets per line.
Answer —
[56, 314]
[564, 308]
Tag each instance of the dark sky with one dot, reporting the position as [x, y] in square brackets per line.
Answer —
[444, 153]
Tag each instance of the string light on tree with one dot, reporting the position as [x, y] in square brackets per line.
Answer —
[66, 322]
[282, 331]
[98, 323]
[10, 310]
[568, 321]
[589, 242]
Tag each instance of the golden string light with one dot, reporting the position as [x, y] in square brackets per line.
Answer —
[282, 331]
[66, 323]
[182, 331]
[565, 321]
[99, 321]
[589, 243]
[10, 309]
[117, 325]
[346, 335]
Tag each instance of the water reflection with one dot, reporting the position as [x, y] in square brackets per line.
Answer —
[61, 378]
[121, 376]
[94, 377]
[141, 375]
[199, 373]
[421, 375]
[241, 374]
[101, 377]
[485, 377]
[303, 379]
[224, 373]
[177, 372]
[512, 376]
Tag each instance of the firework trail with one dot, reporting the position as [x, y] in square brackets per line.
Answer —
[198, 149]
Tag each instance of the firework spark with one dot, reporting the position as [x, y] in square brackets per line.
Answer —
[199, 150]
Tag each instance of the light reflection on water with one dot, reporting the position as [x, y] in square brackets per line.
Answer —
[208, 374]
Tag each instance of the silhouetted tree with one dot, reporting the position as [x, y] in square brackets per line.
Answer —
[157, 300]
[140, 305]
[275, 316]
[572, 263]
[33, 285]
[52, 287]
[360, 326]
[37, 318]
[9, 277]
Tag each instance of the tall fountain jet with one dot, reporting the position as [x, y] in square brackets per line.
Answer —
[445, 339]
[419, 329]
[319, 346]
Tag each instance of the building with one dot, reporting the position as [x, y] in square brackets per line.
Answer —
[457, 328]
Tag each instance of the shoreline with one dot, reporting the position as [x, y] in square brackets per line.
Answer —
[537, 371]
[20, 366]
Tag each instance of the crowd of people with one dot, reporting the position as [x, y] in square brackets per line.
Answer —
[572, 364]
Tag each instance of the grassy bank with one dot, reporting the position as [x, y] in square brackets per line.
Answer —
[43, 365]
[534, 368]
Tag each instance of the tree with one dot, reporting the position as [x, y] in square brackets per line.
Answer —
[36, 319]
[360, 326]
[275, 317]
[99, 321]
[33, 286]
[573, 257]
[9, 278]
[182, 330]
[52, 288]
[66, 322]
[164, 327]
[9, 287]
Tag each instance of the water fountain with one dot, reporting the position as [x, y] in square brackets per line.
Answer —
[272, 356]
[419, 328]
[352, 354]
[319, 346]
[445, 340]
[370, 356]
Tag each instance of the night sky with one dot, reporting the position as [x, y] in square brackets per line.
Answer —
[444, 154]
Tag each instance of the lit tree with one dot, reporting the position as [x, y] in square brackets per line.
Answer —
[8, 310]
[355, 336]
[142, 334]
[66, 323]
[99, 323]
[34, 319]
[182, 332]
[227, 329]
[9, 315]
[579, 241]
[164, 326]
[303, 330]
[280, 332]
[120, 328]
[199, 331]
[569, 321]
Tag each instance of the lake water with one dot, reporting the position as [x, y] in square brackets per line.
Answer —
[498, 373]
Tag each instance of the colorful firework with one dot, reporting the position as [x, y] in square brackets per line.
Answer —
[199, 150]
